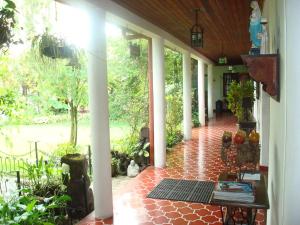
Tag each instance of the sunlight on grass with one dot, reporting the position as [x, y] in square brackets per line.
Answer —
[20, 139]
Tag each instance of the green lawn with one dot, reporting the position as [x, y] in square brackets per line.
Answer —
[19, 139]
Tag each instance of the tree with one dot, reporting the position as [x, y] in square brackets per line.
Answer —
[128, 87]
[174, 82]
[7, 24]
[64, 81]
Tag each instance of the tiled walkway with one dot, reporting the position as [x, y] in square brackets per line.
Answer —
[196, 159]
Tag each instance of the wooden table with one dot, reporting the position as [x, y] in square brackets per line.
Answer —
[248, 210]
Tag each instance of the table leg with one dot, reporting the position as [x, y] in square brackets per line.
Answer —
[222, 215]
[253, 217]
[228, 216]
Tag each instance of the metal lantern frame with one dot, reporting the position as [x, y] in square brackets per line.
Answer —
[197, 33]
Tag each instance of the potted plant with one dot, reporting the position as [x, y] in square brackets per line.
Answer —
[240, 97]
[54, 47]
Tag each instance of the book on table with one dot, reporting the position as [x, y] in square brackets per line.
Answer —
[234, 191]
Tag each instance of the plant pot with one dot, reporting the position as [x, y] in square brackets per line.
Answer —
[56, 52]
[247, 126]
[78, 165]
[114, 170]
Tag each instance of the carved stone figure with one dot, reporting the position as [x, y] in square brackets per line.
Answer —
[255, 26]
[133, 169]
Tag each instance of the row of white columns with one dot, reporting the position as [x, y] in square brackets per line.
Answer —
[98, 103]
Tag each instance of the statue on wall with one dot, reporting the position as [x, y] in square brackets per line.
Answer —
[255, 26]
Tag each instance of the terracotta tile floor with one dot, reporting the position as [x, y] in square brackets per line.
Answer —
[195, 159]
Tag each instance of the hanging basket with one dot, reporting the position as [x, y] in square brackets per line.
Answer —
[54, 47]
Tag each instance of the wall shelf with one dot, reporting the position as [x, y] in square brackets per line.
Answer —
[264, 69]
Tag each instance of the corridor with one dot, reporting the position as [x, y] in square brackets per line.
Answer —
[197, 159]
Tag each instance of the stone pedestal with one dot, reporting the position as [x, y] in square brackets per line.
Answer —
[78, 186]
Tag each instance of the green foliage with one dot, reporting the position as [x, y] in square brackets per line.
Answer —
[7, 24]
[7, 101]
[44, 179]
[141, 149]
[195, 113]
[66, 148]
[235, 95]
[114, 167]
[43, 201]
[56, 48]
[127, 143]
[128, 89]
[195, 118]
[173, 70]
[56, 74]
[29, 209]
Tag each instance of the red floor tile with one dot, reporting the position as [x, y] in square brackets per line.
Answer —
[199, 159]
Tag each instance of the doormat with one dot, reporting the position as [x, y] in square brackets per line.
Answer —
[183, 190]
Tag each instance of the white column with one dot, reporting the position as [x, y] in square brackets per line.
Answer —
[201, 93]
[98, 104]
[264, 127]
[159, 103]
[187, 96]
[210, 101]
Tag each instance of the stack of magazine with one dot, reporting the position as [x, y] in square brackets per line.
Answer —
[234, 191]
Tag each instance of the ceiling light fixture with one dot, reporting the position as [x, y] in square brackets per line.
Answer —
[196, 33]
[222, 59]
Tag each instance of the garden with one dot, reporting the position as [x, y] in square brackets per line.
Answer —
[45, 152]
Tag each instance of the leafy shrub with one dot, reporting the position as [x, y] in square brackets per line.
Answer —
[7, 24]
[173, 139]
[173, 68]
[235, 95]
[29, 209]
[114, 166]
[195, 119]
[44, 179]
[66, 148]
[140, 153]
[174, 119]
[127, 144]
[195, 112]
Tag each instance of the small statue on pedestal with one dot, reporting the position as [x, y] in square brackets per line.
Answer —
[255, 28]
[133, 169]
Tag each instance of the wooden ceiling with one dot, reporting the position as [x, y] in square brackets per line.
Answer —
[225, 23]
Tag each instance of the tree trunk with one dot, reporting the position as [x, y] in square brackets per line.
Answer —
[74, 123]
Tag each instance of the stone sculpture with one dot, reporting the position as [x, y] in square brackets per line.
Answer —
[133, 169]
[255, 26]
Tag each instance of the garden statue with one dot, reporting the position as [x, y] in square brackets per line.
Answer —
[133, 169]
[255, 27]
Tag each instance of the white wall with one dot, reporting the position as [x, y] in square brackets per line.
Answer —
[284, 149]
[291, 204]
[274, 9]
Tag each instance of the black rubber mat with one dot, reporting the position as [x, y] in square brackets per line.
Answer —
[183, 190]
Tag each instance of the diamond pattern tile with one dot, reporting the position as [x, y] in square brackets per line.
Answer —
[197, 159]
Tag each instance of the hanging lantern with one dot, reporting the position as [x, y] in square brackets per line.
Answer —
[197, 33]
[135, 50]
[222, 59]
